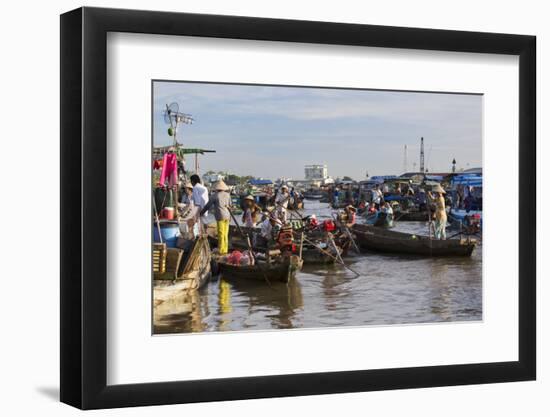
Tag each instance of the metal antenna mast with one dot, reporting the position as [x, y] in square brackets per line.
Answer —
[422, 155]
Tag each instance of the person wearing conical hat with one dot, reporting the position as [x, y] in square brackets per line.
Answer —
[221, 202]
[281, 203]
[349, 215]
[187, 193]
[437, 196]
[251, 211]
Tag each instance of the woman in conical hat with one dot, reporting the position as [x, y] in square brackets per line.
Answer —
[221, 186]
[440, 212]
[221, 202]
[251, 211]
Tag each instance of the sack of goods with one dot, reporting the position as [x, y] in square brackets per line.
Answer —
[329, 226]
[285, 237]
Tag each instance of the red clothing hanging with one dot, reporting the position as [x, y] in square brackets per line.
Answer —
[169, 169]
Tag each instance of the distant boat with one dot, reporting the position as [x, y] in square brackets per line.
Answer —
[313, 195]
[383, 240]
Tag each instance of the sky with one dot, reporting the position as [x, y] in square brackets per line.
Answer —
[273, 131]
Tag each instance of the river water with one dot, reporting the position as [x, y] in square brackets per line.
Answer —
[392, 289]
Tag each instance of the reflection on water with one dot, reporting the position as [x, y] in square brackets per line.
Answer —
[392, 289]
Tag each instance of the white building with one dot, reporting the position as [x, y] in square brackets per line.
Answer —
[212, 178]
[316, 172]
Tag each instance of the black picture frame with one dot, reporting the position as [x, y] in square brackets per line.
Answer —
[84, 207]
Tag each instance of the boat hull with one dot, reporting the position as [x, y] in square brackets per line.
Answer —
[382, 240]
[282, 271]
[188, 272]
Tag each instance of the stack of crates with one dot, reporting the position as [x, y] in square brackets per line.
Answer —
[159, 258]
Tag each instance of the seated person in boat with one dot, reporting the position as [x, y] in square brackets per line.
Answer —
[372, 208]
[269, 230]
[221, 202]
[348, 217]
[386, 208]
[251, 213]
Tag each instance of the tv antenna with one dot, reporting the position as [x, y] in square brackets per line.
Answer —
[173, 117]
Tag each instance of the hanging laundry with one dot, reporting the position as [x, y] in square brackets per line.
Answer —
[169, 169]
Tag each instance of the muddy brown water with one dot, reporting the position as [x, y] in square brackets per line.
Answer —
[392, 289]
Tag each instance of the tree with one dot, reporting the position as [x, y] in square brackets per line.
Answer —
[346, 178]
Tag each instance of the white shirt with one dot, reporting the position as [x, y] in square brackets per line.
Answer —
[200, 196]
[376, 194]
[282, 200]
[266, 228]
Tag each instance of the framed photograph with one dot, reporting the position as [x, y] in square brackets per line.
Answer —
[258, 208]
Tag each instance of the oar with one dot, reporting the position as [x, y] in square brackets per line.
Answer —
[157, 218]
[346, 229]
[339, 259]
[247, 238]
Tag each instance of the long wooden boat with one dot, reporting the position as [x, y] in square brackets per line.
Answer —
[187, 267]
[313, 195]
[389, 241]
[310, 254]
[281, 270]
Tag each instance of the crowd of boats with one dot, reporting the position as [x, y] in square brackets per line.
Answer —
[363, 215]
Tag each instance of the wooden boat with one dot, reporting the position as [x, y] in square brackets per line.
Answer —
[282, 269]
[310, 254]
[313, 195]
[187, 267]
[383, 240]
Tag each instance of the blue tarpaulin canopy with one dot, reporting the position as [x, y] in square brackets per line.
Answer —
[260, 182]
[471, 180]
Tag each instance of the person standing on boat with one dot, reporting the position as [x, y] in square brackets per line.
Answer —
[199, 197]
[376, 196]
[440, 213]
[281, 203]
[251, 212]
[221, 201]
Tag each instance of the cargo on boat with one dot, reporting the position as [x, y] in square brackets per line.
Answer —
[383, 240]
[187, 266]
[282, 269]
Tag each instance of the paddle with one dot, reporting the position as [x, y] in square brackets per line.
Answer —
[339, 259]
[249, 244]
[157, 218]
[348, 232]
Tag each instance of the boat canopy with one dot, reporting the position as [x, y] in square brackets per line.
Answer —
[381, 178]
[472, 180]
[260, 182]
